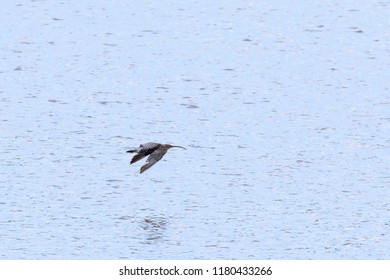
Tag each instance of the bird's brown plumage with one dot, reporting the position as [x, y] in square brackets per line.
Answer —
[155, 151]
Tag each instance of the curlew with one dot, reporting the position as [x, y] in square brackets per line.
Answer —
[155, 151]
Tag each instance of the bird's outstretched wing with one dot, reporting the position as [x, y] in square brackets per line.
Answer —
[150, 146]
[152, 159]
[137, 157]
[143, 151]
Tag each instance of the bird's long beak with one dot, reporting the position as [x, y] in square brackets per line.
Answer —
[178, 147]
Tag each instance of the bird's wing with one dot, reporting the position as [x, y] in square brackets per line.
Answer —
[150, 146]
[137, 157]
[144, 150]
[152, 159]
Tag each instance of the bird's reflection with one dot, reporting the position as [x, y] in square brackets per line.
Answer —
[155, 227]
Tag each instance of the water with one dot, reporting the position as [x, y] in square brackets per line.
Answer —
[283, 109]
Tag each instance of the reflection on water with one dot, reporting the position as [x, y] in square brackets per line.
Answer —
[155, 228]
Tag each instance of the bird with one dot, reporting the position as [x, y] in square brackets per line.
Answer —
[155, 151]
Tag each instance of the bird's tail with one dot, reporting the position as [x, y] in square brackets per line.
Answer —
[133, 150]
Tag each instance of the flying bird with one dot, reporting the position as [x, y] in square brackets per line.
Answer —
[155, 151]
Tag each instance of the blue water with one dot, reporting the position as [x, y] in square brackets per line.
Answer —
[283, 109]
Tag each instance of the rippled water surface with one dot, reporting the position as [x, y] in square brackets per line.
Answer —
[283, 109]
